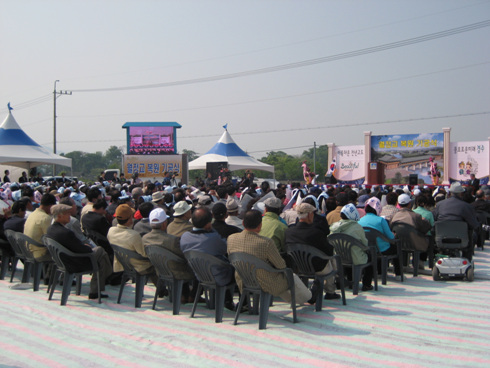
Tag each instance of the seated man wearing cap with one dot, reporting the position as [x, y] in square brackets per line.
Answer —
[158, 199]
[219, 224]
[304, 232]
[74, 224]
[233, 208]
[204, 239]
[407, 216]
[454, 208]
[124, 236]
[182, 215]
[250, 241]
[272, 227]
[318, 220]
[69, 240]
[158, 236]
[204, 200]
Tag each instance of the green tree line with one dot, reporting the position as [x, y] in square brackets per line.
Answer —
[288, 167]
[87, 166]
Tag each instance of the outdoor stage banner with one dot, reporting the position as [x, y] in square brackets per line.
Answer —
[403, 155]
[153, 166]
[349, 164]
[468, 158]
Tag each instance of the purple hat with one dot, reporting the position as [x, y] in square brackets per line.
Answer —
[375, 204]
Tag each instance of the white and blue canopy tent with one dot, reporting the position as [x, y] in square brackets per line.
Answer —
[20, 150]
[226, 150]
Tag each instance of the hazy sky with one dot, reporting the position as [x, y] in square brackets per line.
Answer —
[196, 54]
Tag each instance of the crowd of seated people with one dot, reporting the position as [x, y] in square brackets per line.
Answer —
[209, 217]
[151, 150]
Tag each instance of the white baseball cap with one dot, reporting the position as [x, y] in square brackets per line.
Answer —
[157, 216]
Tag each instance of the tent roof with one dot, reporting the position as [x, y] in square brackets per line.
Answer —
[18, 149]
[226, 150]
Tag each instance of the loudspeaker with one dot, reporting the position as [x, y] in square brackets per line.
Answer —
[215, 167]
[330, 179]
[413, 179]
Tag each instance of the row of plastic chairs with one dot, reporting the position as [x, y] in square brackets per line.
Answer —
[344, 243]
[20, 244]
[202, 264]
[372, 236]
[302, 256]
[406, 242]
[246, 265]
[58, 252]
[160, 258]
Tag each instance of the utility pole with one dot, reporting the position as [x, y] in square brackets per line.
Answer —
[56, 94]
[314, 157]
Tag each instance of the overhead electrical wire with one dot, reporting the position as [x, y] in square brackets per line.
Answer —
[29, 103]
[350, 54]
[294, 43]
[305, 128]
[49, 97]
[276, 98]
[300, 64]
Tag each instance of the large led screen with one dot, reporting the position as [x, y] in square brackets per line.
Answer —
[151, 140]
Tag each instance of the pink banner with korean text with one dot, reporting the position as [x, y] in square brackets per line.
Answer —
[349, 164]
[468, 158]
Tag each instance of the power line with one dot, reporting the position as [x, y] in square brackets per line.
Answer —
[37, 122]
[349, 125]
[46, 98]
[306, 128]
[300, 64]
[281, 149]
[29, 103]
[285, 45]
[279, 97]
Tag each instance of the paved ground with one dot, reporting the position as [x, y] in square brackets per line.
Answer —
[418, 323]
